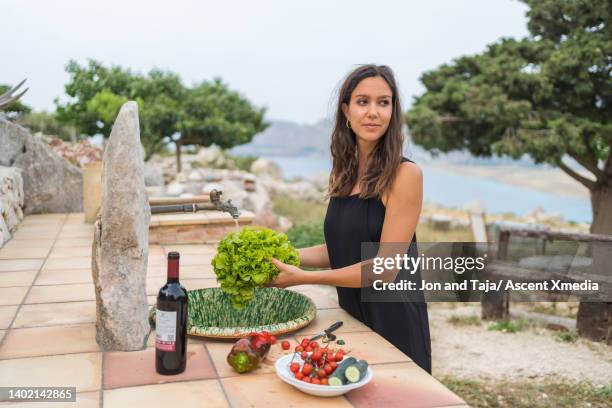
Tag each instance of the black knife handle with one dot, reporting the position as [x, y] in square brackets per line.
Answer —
[333, 327]
[327, 331]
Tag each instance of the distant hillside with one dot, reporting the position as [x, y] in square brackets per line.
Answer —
[289, 139]
[285, 138]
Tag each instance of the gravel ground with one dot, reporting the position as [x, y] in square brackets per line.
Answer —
[472, 352]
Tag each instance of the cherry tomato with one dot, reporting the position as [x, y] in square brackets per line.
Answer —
[273, 341]
[304, 355]
[308, 349]
[321, 373]
[299, 375]
[285, 345]
[295, 367]
[333, 364]
[304, 343]
[316, 381]
[306, 379]
[307, 369]
[339, 355]
[316, 355]
[328, 369]
[324, 381]
[314, 344]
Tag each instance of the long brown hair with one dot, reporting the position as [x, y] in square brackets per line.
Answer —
[383, 160]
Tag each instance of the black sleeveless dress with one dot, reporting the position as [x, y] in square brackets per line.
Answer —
[349, 221]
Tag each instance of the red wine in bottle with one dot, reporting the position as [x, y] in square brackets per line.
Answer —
[171, 322]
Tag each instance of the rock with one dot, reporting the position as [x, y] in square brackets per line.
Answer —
[12, 140]
[208, 187]
[263, 167]
[44, 172]
[195, 175]
[121, 240]
[193, 188]
[266, 218]
[11, 201]
[175, 189]
[256, 200]
[212, 155]
[153, 174]
[11, 195]
[5, 232]
[181, 177]
[302, 190]
[156, 191]
[50, 183]
[249, 183]
[320, 181]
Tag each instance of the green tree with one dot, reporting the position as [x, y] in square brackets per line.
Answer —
[85, 83]
[548, 96]
[212, 113]
[169, 112]
[97, 93]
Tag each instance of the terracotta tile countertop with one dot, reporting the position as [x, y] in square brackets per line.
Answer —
[47, 337]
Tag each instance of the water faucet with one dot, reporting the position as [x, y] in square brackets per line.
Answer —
[215, 204]
[215, 199]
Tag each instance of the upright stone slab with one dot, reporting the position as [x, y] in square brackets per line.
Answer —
[121, 241]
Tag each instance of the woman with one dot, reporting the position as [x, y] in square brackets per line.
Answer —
[375, 196]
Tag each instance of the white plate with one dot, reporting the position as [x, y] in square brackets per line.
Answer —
[282, 370]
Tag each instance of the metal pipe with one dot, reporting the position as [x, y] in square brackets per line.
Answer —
[215, 204]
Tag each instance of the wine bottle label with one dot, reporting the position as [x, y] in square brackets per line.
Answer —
[165, 327]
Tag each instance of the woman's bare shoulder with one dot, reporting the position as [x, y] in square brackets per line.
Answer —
[408, 178]
[407, 173]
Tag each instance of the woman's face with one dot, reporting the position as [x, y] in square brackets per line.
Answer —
[369, 109]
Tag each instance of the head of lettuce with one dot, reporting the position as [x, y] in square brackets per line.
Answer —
[243, 262]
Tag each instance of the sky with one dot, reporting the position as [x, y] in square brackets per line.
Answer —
[288, 56]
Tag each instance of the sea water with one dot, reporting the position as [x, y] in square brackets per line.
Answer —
[455, 190]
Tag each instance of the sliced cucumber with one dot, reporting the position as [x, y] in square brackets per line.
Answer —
[338, 378]
[335, 381]
[355, 372]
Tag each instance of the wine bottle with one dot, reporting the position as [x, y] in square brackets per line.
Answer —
[171, 322]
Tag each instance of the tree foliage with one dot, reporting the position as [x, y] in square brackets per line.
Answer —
[548, 95]
[169, 111]
[45, 123]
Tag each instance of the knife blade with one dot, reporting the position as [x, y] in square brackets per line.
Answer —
[327, 331]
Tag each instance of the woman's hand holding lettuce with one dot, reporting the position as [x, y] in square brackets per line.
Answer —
[243, 262]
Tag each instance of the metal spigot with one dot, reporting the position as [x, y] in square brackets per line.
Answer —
[215, 199]
[215, 204]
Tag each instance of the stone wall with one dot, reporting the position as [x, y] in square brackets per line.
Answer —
[11, 201]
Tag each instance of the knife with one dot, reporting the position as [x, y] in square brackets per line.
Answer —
[328, 331]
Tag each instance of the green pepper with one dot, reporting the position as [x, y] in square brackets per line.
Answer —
[243, 358]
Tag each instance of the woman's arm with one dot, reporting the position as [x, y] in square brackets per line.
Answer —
[314, 256]
[401, 217]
